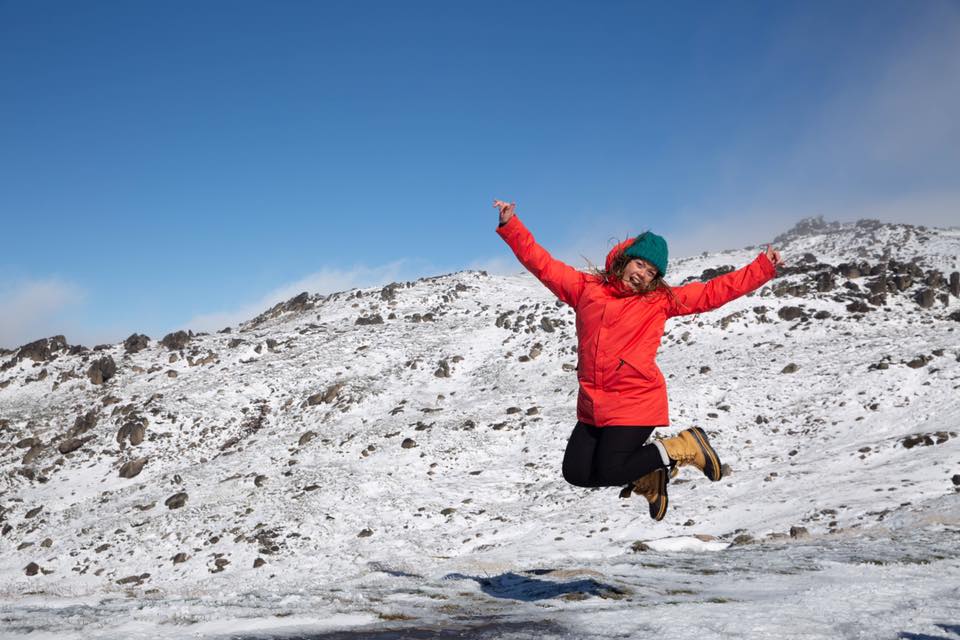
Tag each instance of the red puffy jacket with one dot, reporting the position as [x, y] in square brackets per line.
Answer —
[619, 331]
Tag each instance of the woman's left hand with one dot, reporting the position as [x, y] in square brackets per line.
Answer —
[774, 256]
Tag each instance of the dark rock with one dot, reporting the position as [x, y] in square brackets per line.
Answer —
[934, 279]
[32, 513]
[826, 282]
[790, 368]
[704, 369]
[955, 284]
[234, 343]
[443, 369]
[69, 445]
[408, 443]
[710, 274]
[366, 533]
[849, 270]
[84, 423]
[259, 562]
[956, 479]
[42, 350]
[918, 362]
[926, 297]
[389, 292]
[880, 285]
[790, 313]
[821, 315]
[32, 454]
[306, 437]
[102, 370]
[177, 500]
[546, 325]
[176, 341]
[136, 342]
[858, 306]
[137, 580]
[327, 396]
[512, 410]
[27, 443]
[132, 468]
[32, 569]
[798, 532]
[372, 319]
[902, 281]
[180, 558]
[742, 539]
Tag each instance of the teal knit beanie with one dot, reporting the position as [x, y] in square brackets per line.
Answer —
[651, 248]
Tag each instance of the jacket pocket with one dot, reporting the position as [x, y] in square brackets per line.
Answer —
[630, 377]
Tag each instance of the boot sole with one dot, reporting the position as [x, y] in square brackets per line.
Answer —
[712, 469]
[658, 508]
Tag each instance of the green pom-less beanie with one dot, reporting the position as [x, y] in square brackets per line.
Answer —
[651, 248]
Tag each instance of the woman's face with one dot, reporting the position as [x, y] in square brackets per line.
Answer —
[638, 274]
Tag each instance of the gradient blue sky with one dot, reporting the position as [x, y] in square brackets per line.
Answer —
[187, 164]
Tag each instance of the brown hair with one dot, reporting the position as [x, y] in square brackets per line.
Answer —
[615, 274]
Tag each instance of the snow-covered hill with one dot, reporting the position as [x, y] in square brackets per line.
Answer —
[389, 459]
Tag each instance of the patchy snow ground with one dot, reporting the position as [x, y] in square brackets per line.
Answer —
[401, 478]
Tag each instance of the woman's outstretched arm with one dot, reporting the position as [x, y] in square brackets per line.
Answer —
[563, 280]
[698, 297]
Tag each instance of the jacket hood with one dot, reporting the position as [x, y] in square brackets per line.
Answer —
[620, 289]
[619, 248]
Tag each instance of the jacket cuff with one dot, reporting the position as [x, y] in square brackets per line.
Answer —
[768, 269]
[509, 227]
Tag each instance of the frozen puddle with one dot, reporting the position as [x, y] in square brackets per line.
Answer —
[900, 584]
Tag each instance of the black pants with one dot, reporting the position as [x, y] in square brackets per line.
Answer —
[609, 456]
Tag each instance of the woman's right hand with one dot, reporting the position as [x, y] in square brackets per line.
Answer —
[507, 209]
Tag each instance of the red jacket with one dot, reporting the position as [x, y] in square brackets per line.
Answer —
[619, 331]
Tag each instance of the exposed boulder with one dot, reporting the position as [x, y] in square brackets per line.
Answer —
[84, 423]
[925, 298]
[42, 350]
[102, 370]
[375, 318]
[790, 313]
[177, 340]
[136, 342]
[69, 445]
[177, 500]
[133, 468]
[327, 396]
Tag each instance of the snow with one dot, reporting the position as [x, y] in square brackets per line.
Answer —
[472, 532]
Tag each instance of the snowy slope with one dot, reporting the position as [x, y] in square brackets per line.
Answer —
[390, 459]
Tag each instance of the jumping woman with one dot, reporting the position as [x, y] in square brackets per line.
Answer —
[621, 311]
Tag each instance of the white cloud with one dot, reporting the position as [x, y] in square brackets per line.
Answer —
[324, 281]
[33, 309]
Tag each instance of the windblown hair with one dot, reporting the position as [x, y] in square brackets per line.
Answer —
[615, 274]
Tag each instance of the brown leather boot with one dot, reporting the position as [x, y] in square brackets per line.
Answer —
[653, 487]
[692, 447]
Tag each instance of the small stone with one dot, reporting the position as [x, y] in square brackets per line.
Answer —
[366, 533]
[180, 558]
[259, 562]
[790, 368]
[798, 532]
[408, 443]
[32, 569]
[132, 468]
[177, 500]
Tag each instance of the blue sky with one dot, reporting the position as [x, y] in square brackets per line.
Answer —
[187, 164]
